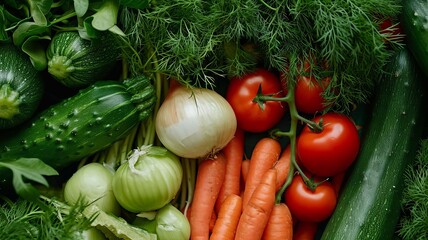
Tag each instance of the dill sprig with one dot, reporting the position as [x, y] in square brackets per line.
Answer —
[200, 41]
[24, 219]
[414, 221]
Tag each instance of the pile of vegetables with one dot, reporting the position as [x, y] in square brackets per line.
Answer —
[190, 119]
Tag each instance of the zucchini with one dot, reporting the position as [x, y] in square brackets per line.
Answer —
[369, 204]
[83, 124]
[21, 87]
[77, 62]
[414, 18]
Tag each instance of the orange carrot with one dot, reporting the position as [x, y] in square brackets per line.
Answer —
[305, 231]
[213, 218]
[228, 217]
[283, 167]
[245, 165]
[256, 214]
[265, 153]
[210, 177]
[280, 224]
[234, 154]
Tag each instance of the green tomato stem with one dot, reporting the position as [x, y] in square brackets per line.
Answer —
[292, 135]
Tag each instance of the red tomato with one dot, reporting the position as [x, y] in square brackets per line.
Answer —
[307, 205]
[249, 115]
[308, 94]
[331, 151]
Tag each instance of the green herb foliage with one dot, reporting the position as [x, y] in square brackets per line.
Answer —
[23, 219]
[414, 223]
[199, 41]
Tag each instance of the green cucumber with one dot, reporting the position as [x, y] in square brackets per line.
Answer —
[369, 204]
[414, 19]
[77, 62]
[21, 87]
[83, 124]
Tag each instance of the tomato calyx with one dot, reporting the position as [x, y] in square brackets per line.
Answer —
[310, 182]
[261, 98]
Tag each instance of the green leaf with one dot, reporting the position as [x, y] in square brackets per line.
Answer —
[81, 7]
[38, 9]
[32, 169]
[3, 34]
[26, 30]
[116, 30]
[139, 4]
[88, 31]
[35, 48]
[106, 15]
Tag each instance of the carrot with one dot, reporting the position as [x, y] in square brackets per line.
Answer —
[256, 214]
[213, 218]
[305, 231]
[234, 154]
[245, 165]
[265, 153]
[227, 219]
[280, 224]
[210, 177]
[283, 167]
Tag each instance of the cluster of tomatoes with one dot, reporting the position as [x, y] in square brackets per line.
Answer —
[324, 149]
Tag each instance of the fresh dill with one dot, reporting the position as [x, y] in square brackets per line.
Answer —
[414, 220]
[201, 41]
[24, 219]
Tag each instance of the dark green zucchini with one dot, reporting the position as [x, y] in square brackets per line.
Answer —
[21, 87]
[83, 124]
[369, 205]
[76, 62]
[415, 24]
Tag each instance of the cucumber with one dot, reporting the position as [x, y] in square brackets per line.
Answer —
[83, 124]
[369, 205]
[76, 62]
[21, 87]
[414, 19]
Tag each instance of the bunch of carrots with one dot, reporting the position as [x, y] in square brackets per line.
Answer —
[240, 198]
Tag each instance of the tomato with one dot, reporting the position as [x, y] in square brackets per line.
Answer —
[249, 115]
[307, 205]
[332, 150]
[308, 94]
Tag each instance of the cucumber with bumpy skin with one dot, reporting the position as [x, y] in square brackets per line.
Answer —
[83, 124]
[369, 205]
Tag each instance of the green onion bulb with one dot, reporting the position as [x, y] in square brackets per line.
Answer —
[148, 180]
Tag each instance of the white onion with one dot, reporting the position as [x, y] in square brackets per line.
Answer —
[194, 123]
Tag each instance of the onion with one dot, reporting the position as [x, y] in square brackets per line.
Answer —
[168, 224]
[194, 123]
[93, 183]
[149, 180]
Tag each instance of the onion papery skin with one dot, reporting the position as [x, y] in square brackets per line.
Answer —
[93, 183]
[195, 123]
[153, 184]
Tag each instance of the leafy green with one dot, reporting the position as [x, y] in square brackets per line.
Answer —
[32, 169]
[23, 219]
[30, 23]
[197, 42]
[414, 221]
[111, 226]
